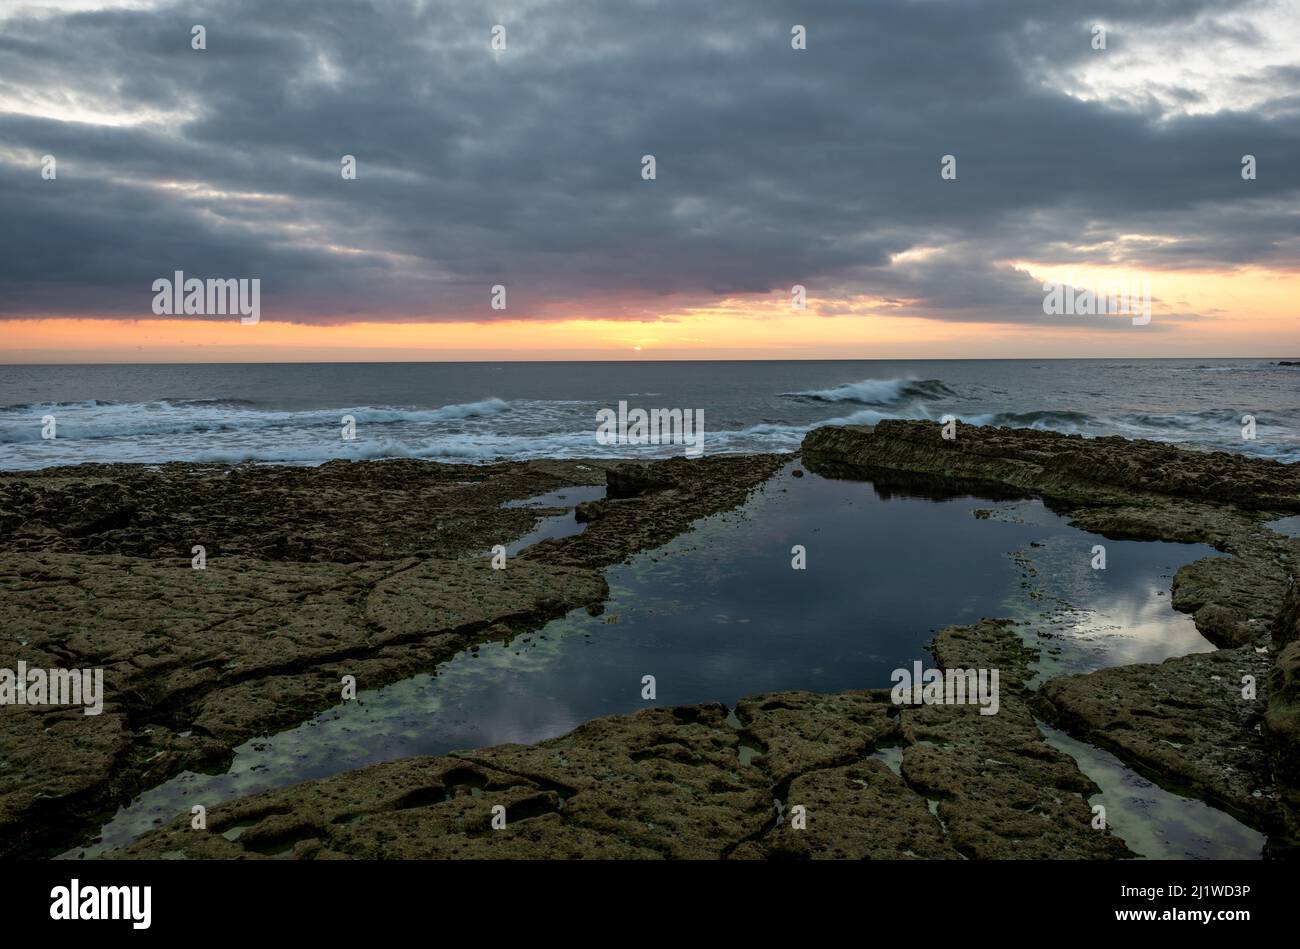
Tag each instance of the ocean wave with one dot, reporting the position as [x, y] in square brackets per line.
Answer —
[202, 403]
[233, 430]
[1046, 420]
[878, 391]
[479, 447]
[1186, 421]
[49, 406]
[1240, 367]
[94, 419]
[296, 445]
[1208, 422]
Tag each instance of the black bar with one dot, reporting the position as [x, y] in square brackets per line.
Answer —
[337, 899]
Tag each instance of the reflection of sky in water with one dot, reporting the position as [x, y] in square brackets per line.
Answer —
[1288, 526]
[1086, 619]
[718, 613]
[1154, 822]
[556, 525]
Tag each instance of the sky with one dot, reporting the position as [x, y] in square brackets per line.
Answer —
[127, 155]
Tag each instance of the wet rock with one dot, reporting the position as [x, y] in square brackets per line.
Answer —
[631, 480]
[988, 644]
[1000, 789]
[655, 516]
[376, 570]
[797, 732]
[54, 762]
[299, 596]
[1233, 599]
[1177, 720]
[658, 784]
[415, 808]
[1185, 719]
[860, 811]
[342, 512]
[664, 780]
[1286, 627]
[675, 783]
[1282, 719]
[1057, 465]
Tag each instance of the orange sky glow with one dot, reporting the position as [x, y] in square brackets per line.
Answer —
[1248, 312]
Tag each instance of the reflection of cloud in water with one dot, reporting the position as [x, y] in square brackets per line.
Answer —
[1091, 619]
[718, 613]
[1156, 823]
[1144, 629]
[422, 715]
[1286, 526]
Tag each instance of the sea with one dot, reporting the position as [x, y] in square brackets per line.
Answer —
[716, 613]
[480, 412]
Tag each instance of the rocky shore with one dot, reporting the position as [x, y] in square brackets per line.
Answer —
[379, 570]
[376, 570]
[1185, 721]
[700, 782]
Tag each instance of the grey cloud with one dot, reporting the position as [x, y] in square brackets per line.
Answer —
[775, 167]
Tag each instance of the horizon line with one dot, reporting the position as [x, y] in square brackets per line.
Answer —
[633, 361]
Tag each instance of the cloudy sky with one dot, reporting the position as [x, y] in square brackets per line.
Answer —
[522, 167]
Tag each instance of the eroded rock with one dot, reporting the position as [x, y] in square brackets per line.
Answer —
[675, 783]
[373, 569]
[1183, 720]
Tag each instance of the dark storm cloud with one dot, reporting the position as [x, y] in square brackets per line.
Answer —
[775, 167]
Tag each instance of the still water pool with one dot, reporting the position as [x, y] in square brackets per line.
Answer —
[719, 613]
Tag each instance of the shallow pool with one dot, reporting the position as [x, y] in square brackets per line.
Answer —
[720, 612]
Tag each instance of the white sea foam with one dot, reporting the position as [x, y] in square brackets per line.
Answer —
[234, 430]
[879, 391]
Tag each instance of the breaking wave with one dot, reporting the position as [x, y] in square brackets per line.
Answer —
[96, 419]
[879, 392]
[234, 430]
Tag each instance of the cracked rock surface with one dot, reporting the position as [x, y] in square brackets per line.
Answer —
[1185, 721]
[672, 783]
[378, 570]
[94, 565]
